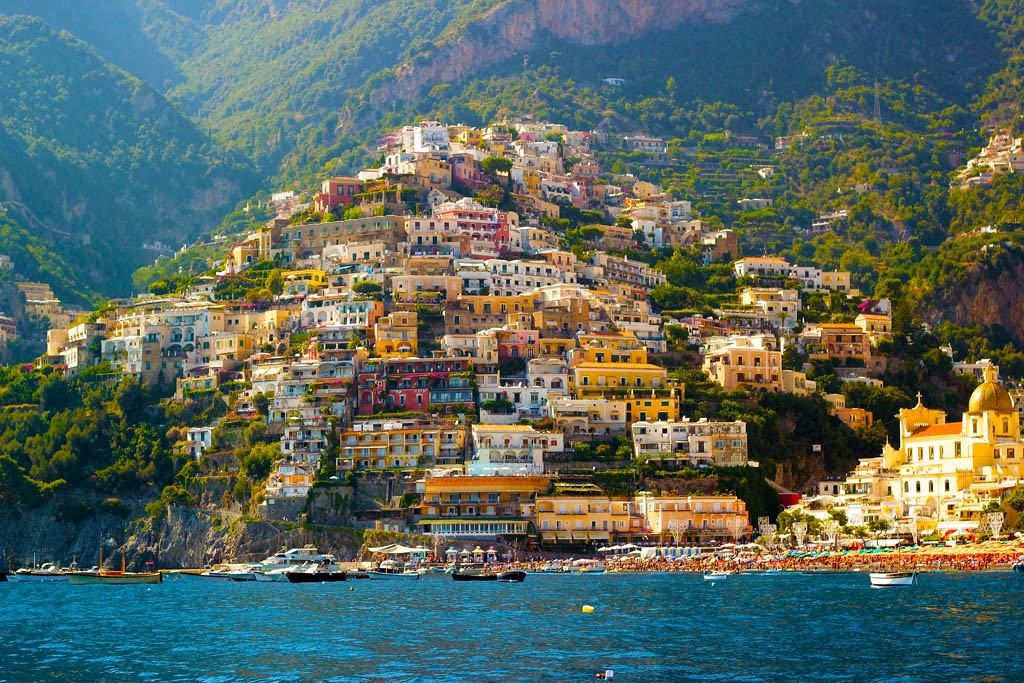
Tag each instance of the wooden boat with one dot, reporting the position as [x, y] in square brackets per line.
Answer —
[476, 576]
[512, 577]
[893, 578]
[113, 577]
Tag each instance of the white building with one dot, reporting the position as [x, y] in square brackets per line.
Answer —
[509, 450]
[701, 442]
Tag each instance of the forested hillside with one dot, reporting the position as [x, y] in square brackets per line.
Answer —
[95, 164]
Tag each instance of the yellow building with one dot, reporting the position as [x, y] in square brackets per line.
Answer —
[591, 377]
[470, 137]
[304, 281]
[610, 347]
[479, 507]
[694, 518]
[944, 474]
[520, 303]
[402, 444]
[579, 514]
[395, 335]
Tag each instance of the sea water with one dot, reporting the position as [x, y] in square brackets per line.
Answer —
[657, 627]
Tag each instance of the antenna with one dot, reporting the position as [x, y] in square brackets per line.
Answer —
[878, 108]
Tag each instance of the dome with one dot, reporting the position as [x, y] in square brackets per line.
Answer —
[990, 396]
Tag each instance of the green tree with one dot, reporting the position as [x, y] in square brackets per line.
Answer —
[275, 282]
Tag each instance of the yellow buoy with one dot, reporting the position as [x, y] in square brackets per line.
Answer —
[351, 588]
[587, 609]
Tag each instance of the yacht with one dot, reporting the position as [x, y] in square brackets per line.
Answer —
[277, 565]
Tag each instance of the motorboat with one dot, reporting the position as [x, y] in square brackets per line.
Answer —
[322, 573]
[274, 575]
[49, 572]
[586, 566]
[893, 578]
[389, 569]
[512, 576]
[716, 576]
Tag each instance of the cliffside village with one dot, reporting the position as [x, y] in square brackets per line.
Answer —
[463, 351]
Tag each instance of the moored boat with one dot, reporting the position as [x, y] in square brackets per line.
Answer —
[113, 578]
[389, 569]
[475, 576]
[512, 577]
[716, 576]
[893, 578]
[49, 572]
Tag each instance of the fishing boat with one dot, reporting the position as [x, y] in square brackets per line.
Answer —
[48, 573]
[112, 577]
[716, 576]
[893, 578]
[512, 577]
[388, 569]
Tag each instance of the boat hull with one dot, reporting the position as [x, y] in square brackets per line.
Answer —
[715, 577]
[893, 579]
[39, 577]
[278, 577]
[315, 577]
[115, 579]
[392, 576]
[474, 577]
[512, 577]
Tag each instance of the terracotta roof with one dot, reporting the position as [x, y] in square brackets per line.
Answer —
[947, 429]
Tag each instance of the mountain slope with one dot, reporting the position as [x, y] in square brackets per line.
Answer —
[96, 162]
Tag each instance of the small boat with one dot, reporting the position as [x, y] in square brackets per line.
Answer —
[512, 577]
[475, 576]
[388, 569]
[716, 576]
[49, 572]
[586, 566]
[1018, 567]
[893, 578]
[358, 575]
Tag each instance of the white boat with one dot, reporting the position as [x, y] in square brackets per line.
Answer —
[893, 578]
[716, 576]
[389, 570]
[49, 572]
[274, 575]
[585, 566]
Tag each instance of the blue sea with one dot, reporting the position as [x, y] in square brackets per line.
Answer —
[658, 627]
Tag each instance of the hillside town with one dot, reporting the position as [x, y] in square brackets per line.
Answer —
[431, 324]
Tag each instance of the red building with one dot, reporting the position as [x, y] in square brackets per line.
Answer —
[335, 192]
[413, 384]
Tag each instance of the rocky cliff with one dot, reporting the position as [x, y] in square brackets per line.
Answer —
[516, 26]
[990, 292]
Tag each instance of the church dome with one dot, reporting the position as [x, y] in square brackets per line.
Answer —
[990, 396]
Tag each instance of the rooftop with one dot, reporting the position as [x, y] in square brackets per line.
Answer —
[946, 429]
